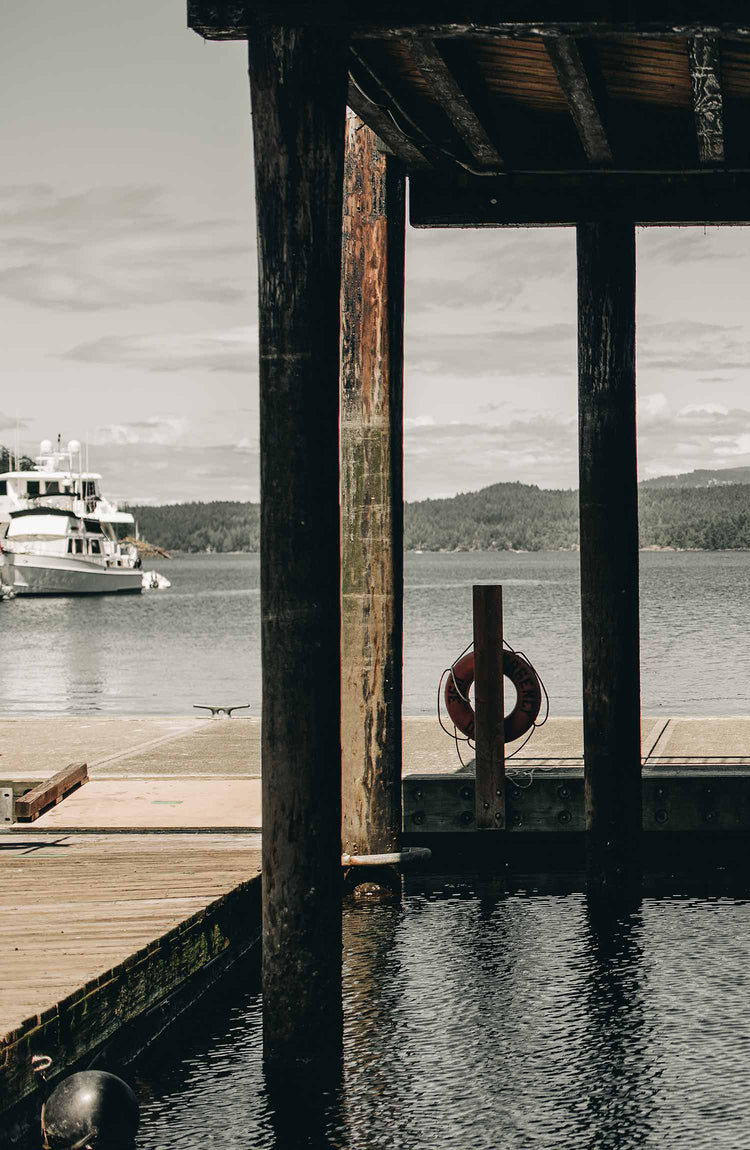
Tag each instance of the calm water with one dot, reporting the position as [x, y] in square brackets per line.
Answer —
[199, 641]
[480, 1019]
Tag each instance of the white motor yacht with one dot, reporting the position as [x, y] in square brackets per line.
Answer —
[53, 551]
[58, 479]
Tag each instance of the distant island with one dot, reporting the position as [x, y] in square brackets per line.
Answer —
[701, 511]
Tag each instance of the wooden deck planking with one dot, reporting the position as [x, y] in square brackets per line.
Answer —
[158, 804]
[59, 929]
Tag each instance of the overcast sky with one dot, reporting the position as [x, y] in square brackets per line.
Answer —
[128, 299]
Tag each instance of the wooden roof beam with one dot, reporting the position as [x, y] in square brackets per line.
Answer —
[708, 105]
[577, 89]
[445, 88]
[378, 92]
[377, 117]
[395, 19]
[709, 196]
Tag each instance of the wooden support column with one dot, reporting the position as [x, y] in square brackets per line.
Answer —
[609, 551]
[298, 80]
[489, 703]
[372, 501]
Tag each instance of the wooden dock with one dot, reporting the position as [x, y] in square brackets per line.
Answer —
[110, 913]
[144, 883]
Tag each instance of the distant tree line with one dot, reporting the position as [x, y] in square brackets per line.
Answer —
[217, 526]
[673, 512]
[518, 517]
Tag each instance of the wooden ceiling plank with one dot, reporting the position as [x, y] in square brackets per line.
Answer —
[445, 88]
[708, 105]
[571, 73]
[384, 126]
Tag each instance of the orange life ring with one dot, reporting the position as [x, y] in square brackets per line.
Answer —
[521, 675]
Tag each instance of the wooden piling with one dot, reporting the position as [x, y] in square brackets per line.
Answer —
[609, 551]
[489, 703]
[372, 498]
[298, 80]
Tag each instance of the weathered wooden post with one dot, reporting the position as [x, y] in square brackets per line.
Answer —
[489, 702]
[298, 79]
[609, 551]
[372, 502]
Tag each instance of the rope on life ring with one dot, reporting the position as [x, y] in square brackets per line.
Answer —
[521, 673]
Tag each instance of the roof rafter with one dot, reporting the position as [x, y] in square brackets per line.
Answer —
[446, 89]
[384, 126]
[576, 86]
[708, 104]
[379, 92]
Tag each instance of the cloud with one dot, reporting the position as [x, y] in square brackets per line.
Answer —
[232, 350]
[698, 435]
[7, 422]
[471, 346]
[118, 247]
[161, 430]
[677, 345]
[677, 246]
[441, 459]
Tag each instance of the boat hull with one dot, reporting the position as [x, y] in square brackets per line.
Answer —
[60, 575]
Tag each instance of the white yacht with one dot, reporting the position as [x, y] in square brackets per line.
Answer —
[51, 551]
[57, 479]
[61, 534]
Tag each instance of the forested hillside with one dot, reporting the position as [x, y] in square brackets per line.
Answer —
[513, 516]
[218, 526]
[505, 516]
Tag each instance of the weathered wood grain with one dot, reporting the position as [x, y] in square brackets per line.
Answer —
[446, 90]
[609, 549]
[31, 805]
[489, 696]
[708, 104]
[576, 87]
[298, 81]
[371, 494]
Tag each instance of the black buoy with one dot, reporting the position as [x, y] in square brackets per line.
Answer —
[92, 1110]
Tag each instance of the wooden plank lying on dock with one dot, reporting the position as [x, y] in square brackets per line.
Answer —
[97, 930]
[48, 794]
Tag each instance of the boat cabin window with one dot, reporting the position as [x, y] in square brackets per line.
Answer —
[3, 487]
[95, 547]
[32, 488]
[75, 546]
[89, 488]
[52, 487]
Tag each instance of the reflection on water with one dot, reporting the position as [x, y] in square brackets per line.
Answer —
[481, 1017]
[151, 654]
